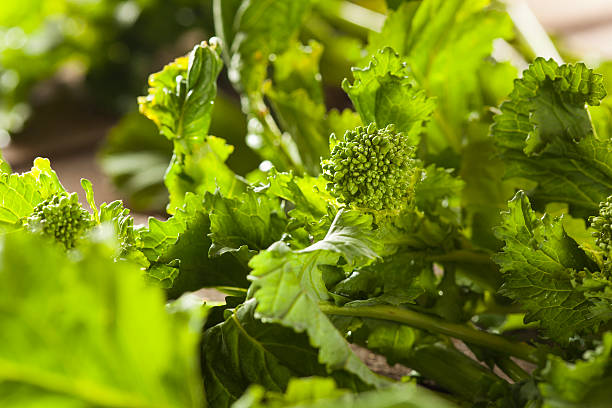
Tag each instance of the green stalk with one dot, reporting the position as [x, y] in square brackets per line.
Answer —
[433, 324]
[512, 370]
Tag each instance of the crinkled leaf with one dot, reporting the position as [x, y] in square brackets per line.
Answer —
[254, 220]
[544, 133]
[243, 351]
[180, 98]
[178, 252]
[394, 280]
[87, 331]
[538, 262]
[322, 393]
[384, 93]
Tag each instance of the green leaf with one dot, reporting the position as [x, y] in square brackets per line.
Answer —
[385, 93]
[585, 383]
[437, 191]
[538, 264]
[308, 194]
[87, 331]
[180, 98]
[243, 351]
[178, 251]
[288, 286]
[20, 193]
[200, 170]
[322, 393]
[254, 220]
[445, 43]
[544, 133]
[397, 279]
[180, 102]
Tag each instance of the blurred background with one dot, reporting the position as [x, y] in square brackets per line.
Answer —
[70, 72]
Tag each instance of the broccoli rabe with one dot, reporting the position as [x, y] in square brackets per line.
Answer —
[370, 168]
[602, 224]
[61, 217]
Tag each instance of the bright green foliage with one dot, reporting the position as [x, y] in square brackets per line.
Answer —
[62, 218]
[180, 102]
[384, 93]
[20, 193]
[446, 56]
[178, 252]
[371, 168]
[323, 393]
[289, 284]
[544, 133]
[87, 331]
[539, 262]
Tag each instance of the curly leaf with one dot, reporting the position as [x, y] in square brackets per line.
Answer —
[178, 251]
[385, 93]
[538, 263]
[544, 133]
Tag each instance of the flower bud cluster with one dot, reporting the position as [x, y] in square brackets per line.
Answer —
[602, 224]
[62, 218]
[370, 168]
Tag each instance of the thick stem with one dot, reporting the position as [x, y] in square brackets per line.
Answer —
[433, 324]
[512, 370]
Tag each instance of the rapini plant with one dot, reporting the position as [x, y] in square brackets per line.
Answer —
[467, 157]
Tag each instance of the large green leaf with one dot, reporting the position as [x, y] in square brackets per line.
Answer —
[87, 331]
[243, 351]
[538, 263]
[544, 133]
[289, 284]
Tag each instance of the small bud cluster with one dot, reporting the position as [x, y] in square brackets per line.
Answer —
[602, 224]
[370, 168]
[62, 218]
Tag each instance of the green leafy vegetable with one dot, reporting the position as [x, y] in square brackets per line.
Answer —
[544, 134]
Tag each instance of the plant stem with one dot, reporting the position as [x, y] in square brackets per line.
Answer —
[433, 324]
[512, 370]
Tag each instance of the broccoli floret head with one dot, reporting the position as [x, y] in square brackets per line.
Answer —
[602, 224]
[370, 168]
[62, 218]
